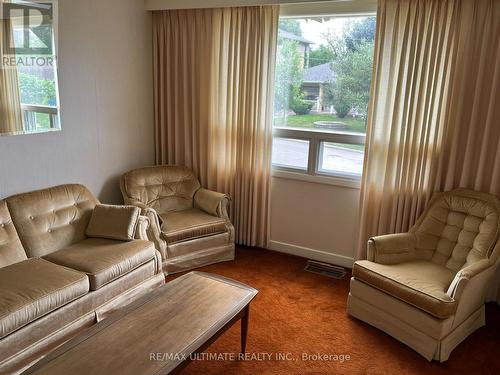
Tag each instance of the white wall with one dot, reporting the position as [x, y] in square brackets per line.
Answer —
[105, 79]
[313, 220]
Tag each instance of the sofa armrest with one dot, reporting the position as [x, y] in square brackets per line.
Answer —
[391, 248]
[465, 275]
[142, 228]
[154, 230]
[212, 202]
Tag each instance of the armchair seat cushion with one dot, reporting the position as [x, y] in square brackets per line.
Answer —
[420, 283]
[190, 224]
[104, 260]
[35, 287]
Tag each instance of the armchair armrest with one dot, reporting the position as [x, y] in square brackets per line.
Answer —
[391, 248]
[154, 230]
[465, 275]
[135, 202]
[142, 228]
[212, 202]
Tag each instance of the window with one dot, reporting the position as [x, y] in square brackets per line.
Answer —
[34, 56]
[291, 153]
[323, 77]
[343, 159]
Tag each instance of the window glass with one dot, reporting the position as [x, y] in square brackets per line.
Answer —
[323, 77]
[341, 159]
[323, 73]
[290, 153]
[33, 54]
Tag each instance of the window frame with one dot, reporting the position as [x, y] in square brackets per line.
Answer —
[30, 111]
[313, 173]
[298, 138]
[316, 136]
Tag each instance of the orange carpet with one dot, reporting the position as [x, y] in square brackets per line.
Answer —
[298, 312]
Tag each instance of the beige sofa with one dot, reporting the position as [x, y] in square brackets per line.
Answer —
[54, 280]
[189, 224]
[427, 287]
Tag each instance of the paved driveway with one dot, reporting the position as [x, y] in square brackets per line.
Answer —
[294, 153]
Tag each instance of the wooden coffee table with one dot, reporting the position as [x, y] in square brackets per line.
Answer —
[158, 333]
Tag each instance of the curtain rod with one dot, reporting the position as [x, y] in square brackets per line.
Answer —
[367, 5]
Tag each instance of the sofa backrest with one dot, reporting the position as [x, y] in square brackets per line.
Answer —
[458, 228]
[50, 219]
[165, 188]
[11, 250]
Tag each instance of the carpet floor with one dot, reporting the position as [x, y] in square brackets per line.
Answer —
[299, 313]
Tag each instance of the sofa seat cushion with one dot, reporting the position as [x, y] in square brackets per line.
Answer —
[104, 260]
[420, 283]
[33, 288]
[190, 224]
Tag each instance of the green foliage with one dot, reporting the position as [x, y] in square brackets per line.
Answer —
[359, 33]
[354, 73]
[290, 25]
[288, 74]
[336, 44]
[352, 63]
[301, 106]
[35, 90]
[342, 107]
[320, 55]
[334, 93]
[351, 55]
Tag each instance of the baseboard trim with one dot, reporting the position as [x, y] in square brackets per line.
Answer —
[305, 252]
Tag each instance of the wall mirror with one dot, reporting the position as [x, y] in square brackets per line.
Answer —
[29, 97]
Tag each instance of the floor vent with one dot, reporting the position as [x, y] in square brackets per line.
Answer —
[325, 269]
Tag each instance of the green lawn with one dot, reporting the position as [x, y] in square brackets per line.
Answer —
[306, 121]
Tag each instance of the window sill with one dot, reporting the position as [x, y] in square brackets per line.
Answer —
[351, 183]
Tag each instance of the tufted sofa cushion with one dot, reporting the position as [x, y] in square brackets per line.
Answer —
[459, 228]
[11, 250]
[165, 188]
[50, 219]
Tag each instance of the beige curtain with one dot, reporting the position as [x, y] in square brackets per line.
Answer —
[433, 122]
[10, 102]
[471, 147]
[213, 87]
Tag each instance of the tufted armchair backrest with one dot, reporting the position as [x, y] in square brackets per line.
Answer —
[165, 188]
[458, 228]
[11, 250]
[50, 219]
